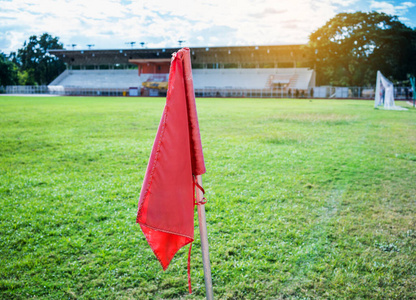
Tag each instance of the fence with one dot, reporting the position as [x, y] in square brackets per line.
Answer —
[400, 93]
[64, 91]
[75, 91]
[317, 92]
[26, 89]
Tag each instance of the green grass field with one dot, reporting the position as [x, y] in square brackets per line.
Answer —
[306, 200]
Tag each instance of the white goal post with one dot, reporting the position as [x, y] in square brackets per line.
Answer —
[384, 95]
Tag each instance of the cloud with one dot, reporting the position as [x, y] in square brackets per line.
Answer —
[267, 12]
[5, 40]
[389, 8]
[345, 3]
[161, 23]
[406, 5]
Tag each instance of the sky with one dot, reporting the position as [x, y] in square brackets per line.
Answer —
[113, 24]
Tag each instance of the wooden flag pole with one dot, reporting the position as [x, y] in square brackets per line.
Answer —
[204, 241]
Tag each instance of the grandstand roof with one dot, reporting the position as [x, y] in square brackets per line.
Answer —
[200, 55]
[149, 60]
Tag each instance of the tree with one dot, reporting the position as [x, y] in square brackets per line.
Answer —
[8, 71]
[36, 62]
[350, 48]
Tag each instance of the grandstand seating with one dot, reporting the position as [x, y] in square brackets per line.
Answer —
[98, 79]
[299, 78]
[295, 78]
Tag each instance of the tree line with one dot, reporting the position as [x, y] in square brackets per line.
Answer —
[347, 51]
[350, 48]
[32, 64]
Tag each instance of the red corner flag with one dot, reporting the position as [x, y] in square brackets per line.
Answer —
[166, 205]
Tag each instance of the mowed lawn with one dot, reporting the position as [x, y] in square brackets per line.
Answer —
[306, 200]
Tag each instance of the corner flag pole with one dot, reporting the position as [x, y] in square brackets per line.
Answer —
[413, 82]
[204, 241]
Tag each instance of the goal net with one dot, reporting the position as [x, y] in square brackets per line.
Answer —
[385, 93]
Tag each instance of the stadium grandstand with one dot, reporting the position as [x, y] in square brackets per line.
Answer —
[245, 71]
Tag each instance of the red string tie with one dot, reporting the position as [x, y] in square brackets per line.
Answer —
[202, 202]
